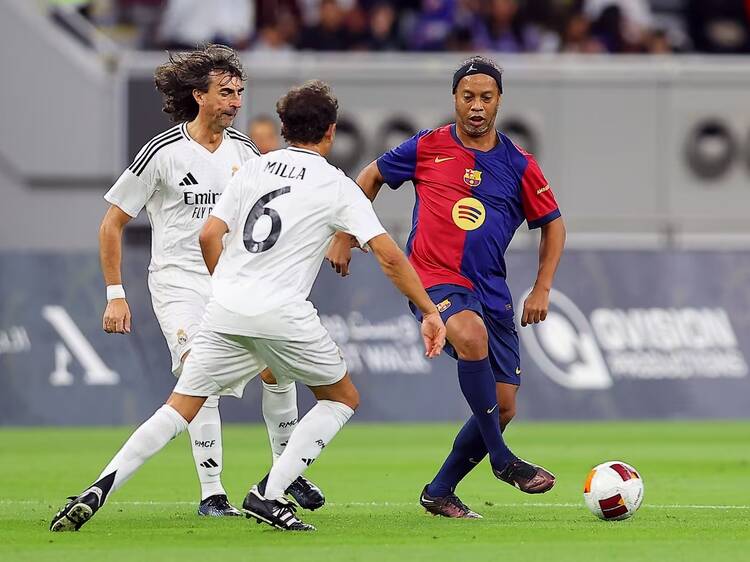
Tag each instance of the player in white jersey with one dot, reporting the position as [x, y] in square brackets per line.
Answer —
[178, 176]
[264, 244]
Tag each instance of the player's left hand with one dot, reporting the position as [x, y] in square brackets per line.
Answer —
[433, 334]
[535, 307]
[339, 253]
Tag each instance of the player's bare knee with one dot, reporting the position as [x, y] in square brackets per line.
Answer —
[267, 376]
[471, 344]
[348, 395]
[352, 399]
[343, 391]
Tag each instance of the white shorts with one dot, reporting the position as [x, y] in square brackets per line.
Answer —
[179, 299]
[222, 363]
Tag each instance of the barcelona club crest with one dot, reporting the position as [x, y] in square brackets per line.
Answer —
[472, 178]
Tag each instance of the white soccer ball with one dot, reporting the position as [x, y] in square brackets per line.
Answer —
[613, 491]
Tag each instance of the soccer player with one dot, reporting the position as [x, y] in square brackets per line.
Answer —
[474, 188]
[178, 176]
[264, 133]
[277, 217]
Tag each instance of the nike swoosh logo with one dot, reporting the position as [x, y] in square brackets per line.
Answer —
[518, 370]
[425, 500]
[492, 409]
[438, 160]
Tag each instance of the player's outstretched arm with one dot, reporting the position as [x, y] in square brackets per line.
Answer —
[116, 319]
[339, 253]
[550, 250]
[370, 180]
[210, 237]
[394, 264]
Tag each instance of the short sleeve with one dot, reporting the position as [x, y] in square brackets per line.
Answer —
[398, 164]
[228, 207]
[354, 214]
[539, 205]
[131, 192]
[138, 182]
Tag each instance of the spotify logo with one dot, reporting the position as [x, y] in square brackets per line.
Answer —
[468, 213]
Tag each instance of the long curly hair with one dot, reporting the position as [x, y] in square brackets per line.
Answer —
[190, 71]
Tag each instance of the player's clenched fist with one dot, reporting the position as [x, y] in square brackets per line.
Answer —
[117, 317]
[433, 333]
[339, 252]
[535, 307]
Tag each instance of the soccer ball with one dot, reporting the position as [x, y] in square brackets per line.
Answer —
[613, 491]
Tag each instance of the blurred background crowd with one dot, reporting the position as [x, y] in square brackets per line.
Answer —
[509, 26]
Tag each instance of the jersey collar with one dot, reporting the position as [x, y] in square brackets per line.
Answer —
[495, 148]
[304, 150]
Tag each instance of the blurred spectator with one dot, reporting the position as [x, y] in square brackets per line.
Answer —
[467, 24]
[383, 30]
[357, 26]
[277, 26]
[657, 42]
[329, 34]
[186, 23]
[636, 17]
[505, 30]
[719, 26]
[609, 30]
[270, 12]
[144, 16]
[264, 132]
[433, 26]
[282, 26]
[271, 39]
[577, 36]
[312, 10]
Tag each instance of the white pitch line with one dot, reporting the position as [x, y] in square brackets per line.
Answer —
[397, 504]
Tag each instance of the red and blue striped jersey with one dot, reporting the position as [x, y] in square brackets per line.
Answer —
[469, 204]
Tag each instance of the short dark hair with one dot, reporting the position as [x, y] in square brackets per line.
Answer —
[190, 71]
[306, 112]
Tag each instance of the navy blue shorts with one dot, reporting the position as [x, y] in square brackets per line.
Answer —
[502, 337]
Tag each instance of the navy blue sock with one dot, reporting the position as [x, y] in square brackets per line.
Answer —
[468, 451]
[478, 386]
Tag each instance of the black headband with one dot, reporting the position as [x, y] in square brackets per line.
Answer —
[478, 68]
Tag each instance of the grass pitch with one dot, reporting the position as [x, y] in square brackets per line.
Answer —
[696, 507]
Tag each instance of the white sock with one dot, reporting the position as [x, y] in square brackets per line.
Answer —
[280, 414]
[147, 440]
[205, 440]
[316, 430]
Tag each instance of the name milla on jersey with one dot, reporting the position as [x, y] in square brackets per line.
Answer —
[285, 171]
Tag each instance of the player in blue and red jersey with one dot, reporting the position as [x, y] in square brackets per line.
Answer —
[474, 188]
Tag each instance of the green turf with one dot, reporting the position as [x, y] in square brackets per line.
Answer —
[372, 475]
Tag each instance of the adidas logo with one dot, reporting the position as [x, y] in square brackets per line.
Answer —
[210, 463]
[189, 180]
[308, 462]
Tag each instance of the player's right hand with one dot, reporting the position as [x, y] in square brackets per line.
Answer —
[339, 253]
[433, 334]
[117, 317]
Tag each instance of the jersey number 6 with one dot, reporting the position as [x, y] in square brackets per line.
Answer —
[258, 210]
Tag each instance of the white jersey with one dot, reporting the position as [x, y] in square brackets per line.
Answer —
[179, 182]
[282, 210]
